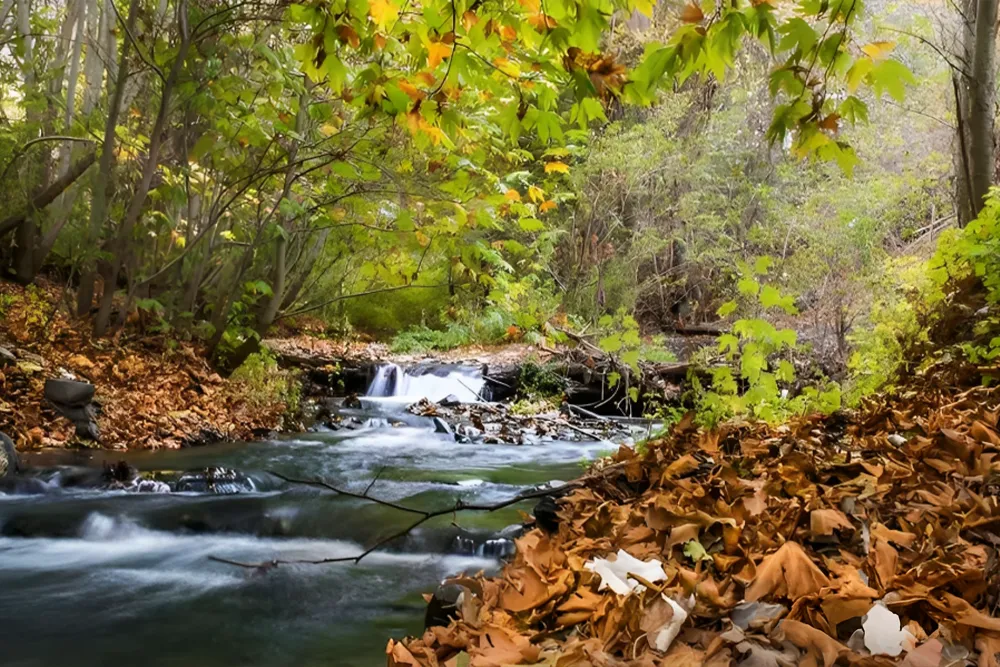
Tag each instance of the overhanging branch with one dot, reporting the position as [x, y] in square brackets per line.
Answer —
[423, 516]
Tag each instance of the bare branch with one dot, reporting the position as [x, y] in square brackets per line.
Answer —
[422, 515]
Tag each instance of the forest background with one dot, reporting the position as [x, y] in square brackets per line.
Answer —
[800, 177]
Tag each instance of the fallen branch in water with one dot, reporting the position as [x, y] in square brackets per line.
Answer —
[423, 516]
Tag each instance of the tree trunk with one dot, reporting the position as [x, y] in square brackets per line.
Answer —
[48, 194]
[64, 205]
[148, 171]
[102, 178]
[974, 79]
[982, 102]
[26, 232]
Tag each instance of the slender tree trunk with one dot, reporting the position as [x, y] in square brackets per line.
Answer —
[220, 315]
[64, 205]
[102, 178]
[93, 66]
[26, 232]
[148, 171]
[982, 103]
[974, 80]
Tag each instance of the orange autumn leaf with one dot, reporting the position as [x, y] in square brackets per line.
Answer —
[542, 21]
[436, 53]
[512, 195]
[692, 13]
[348, 35]
[379, 41]
[469, 19]
[556, 167]
[547, 206]
[830, 122]
[821, 647]
[825, 522]
[411, 90]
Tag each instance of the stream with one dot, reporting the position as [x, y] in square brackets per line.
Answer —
[89, 576]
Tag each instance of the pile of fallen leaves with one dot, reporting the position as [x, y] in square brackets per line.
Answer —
[151, 391]
[869, 540]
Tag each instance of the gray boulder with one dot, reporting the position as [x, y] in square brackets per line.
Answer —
[9, 463]
[74, 401]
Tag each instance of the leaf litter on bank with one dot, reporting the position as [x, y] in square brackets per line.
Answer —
[820, 542]
[152, 393]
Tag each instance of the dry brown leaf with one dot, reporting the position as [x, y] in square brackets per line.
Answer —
[821, 646]
[825, 521]
[789, 573]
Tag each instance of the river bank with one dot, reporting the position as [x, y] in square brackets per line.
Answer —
[155, 391]
[151, 391]
[865, 538]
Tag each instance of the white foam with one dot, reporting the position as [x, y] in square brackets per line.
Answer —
[392, 380]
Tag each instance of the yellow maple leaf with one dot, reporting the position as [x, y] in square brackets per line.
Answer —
[422, 239]
[878, 50]
[512, 195]
[413, 121]
[556, 167]
[509, 68]
[547, 206]
[433, 131]
[536, 193]
[436, 52]
[383, 12]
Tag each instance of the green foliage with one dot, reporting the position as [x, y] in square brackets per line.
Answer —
[421, 339]
[6, 301]
[263, 384]
[895, 325]
[914, 296]
[763, 355]
[540, 381]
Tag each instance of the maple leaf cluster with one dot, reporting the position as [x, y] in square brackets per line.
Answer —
[806, 528]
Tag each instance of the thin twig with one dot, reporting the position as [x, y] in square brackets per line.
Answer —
[423, 516]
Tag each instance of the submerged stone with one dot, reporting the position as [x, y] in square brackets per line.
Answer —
[222, 481]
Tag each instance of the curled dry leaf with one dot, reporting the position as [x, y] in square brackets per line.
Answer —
[787, 573]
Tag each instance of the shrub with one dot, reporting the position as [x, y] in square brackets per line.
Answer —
[264, 385]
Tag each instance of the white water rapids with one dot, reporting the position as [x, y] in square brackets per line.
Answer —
[433, 383]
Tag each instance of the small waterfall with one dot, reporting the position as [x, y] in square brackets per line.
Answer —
[433, 382]
[386, 380]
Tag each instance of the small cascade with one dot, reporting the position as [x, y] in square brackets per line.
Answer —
[386, 380]
[497, 548]
[433, 382]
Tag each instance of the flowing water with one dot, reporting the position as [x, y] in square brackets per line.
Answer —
[91, 577]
